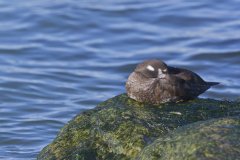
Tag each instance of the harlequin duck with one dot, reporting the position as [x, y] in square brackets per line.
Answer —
[154, 82]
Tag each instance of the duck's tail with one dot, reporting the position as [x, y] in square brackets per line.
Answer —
[213, 83]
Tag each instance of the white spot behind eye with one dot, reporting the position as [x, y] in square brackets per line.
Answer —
[165, 70]
[149, 67]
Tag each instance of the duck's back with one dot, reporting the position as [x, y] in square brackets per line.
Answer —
[194, 84]
[186, 75]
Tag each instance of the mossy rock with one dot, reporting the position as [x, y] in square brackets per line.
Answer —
[120, 127]
[217, 139]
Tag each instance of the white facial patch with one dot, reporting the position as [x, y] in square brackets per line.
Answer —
[165, 70]
[161, 74]
[150, 68]
[160, 71]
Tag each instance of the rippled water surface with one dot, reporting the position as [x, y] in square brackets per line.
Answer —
[58, 58]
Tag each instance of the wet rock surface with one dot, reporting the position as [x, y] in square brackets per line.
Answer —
[121, 128]
[213, 139]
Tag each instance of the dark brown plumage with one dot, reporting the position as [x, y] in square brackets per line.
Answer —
[154, 82]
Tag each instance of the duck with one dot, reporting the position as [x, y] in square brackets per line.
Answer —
[153, 81]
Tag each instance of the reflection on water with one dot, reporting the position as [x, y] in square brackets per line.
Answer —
[60, 58]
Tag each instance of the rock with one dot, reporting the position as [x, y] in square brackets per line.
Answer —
[120, 127]
[213, 139]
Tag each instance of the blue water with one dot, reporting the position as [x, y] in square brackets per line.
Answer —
[60, 57]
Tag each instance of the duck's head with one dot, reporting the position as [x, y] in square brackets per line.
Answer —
[152, 69]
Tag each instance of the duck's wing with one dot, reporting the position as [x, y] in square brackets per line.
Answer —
[190, 77]
[193, 84]
[186, 75]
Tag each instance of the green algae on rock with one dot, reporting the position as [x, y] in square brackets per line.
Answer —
[120, 127]
[213, 139]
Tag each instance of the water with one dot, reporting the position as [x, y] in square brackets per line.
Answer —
[61, 57]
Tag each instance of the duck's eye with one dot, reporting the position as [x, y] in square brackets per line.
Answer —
[150, 68]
